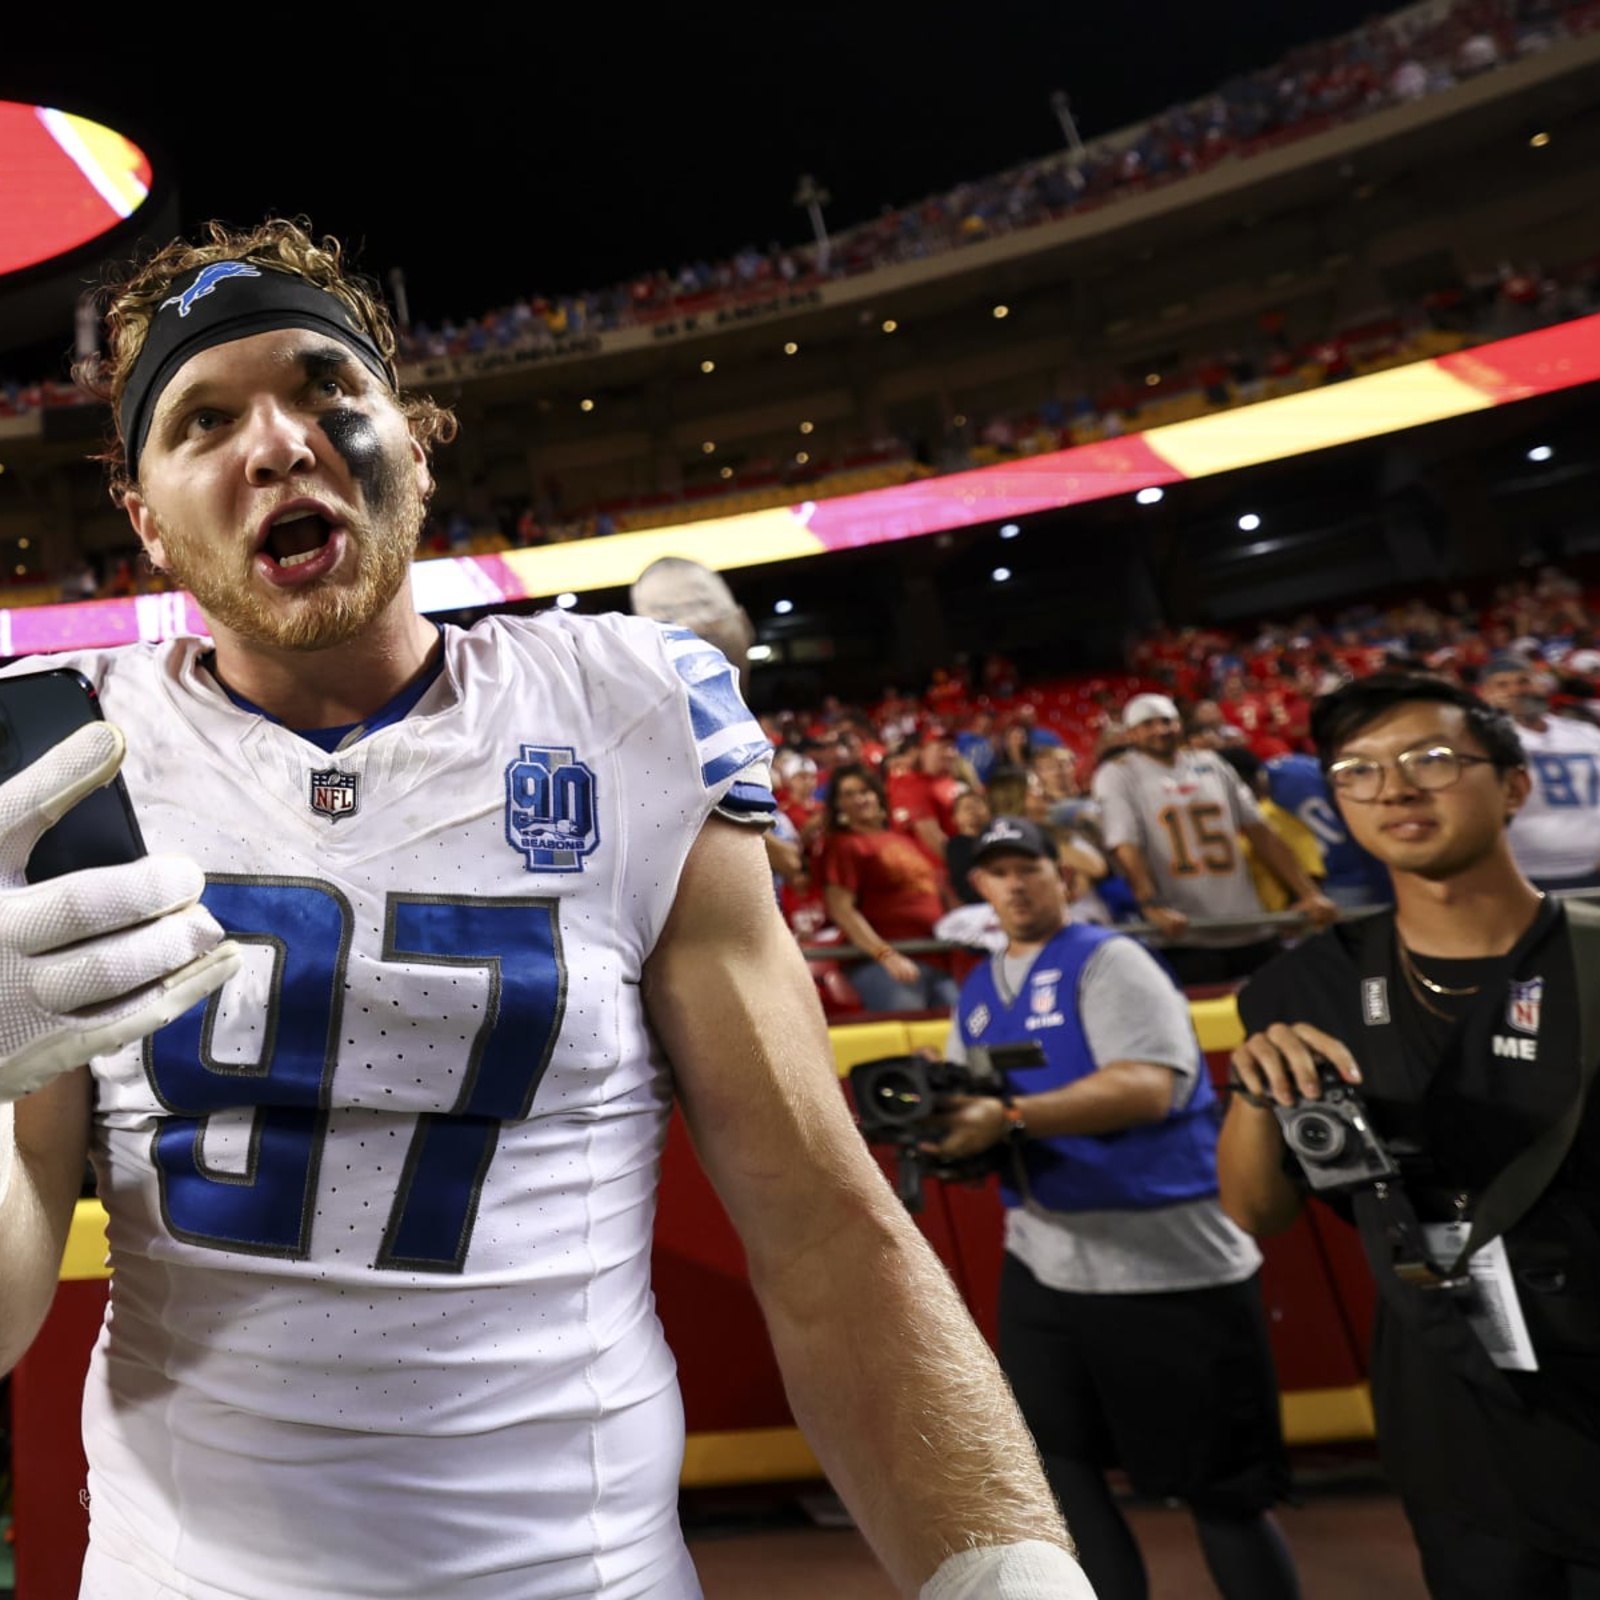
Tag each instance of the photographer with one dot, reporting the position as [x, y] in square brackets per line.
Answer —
[1459, 1014]
[1131, 1326]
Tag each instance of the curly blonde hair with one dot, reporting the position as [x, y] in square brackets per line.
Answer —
[280, 244]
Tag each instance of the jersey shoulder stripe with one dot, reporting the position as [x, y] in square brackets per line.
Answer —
[727, 738]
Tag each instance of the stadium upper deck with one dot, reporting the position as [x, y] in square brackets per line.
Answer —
[1264, 236]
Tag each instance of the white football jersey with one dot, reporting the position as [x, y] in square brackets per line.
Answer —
[1186, 818]
[1556, 834]
[381, 1211]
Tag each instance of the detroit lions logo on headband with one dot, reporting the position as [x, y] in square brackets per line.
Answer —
[262, 299]
[206, 284]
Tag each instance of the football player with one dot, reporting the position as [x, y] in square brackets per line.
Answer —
[374, 1053]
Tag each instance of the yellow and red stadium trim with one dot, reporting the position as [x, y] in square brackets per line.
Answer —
[1362, 408]
[768, 1455]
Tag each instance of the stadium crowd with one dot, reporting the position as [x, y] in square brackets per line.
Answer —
[884, 802]
[1421, 50]
[1389, 61]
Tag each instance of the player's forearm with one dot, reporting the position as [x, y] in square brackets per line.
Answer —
[902, 1400]
[1251, 1183]
[36, 1206]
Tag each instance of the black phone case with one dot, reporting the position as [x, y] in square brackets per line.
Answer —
[37, 711]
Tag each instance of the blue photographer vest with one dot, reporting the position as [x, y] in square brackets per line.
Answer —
[1156, 1164]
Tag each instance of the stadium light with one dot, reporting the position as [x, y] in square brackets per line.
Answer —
[1009, 530]
[1249, 522]
[783, 607]
[567, 601]
[1001, 574]
[1540, 452]
[811, 197]
[1151, 496]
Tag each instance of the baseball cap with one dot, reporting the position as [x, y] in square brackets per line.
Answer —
[1505, 662]
[1146, 708]
[1017, 835]
[787, 761]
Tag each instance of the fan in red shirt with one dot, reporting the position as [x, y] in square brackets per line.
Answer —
[881, 887]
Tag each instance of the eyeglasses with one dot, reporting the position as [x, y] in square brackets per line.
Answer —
[1435, 767]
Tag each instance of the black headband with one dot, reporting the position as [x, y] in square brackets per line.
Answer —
[221, 302]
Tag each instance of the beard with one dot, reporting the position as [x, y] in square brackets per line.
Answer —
[320, 615]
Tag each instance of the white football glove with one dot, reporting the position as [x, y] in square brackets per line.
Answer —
[93, 959]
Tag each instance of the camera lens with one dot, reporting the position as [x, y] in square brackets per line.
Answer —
[1315, 1136]
[897, 1097]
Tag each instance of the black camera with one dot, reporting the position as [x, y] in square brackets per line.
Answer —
[898, 1100]
[1333, 1139]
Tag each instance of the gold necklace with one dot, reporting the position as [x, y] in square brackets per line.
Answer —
[1408, 962]
[1416, 982]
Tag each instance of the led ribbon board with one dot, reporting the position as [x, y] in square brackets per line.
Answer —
[1490, 375]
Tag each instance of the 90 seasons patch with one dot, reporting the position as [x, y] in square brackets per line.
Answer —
[551, 815]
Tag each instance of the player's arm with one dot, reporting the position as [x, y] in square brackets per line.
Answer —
[89, 961]
[898, 1394]
[42, 1152]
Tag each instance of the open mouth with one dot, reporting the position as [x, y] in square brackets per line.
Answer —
[297, 538]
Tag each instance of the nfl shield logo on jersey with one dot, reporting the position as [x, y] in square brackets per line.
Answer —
[334, 794]
[1522, 1008]
[550, 811]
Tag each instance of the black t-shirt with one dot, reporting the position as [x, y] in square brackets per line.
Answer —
[1455, 1099]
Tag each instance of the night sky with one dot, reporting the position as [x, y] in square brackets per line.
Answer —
[549, 151]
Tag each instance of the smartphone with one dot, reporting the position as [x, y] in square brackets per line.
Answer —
[37, 711]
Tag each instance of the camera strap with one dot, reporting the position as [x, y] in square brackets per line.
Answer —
[1389, 1227]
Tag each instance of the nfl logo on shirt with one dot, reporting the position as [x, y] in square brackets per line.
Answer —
[1522, 1006]
[333, 794]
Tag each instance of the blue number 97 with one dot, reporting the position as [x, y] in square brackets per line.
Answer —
[268, 1209]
